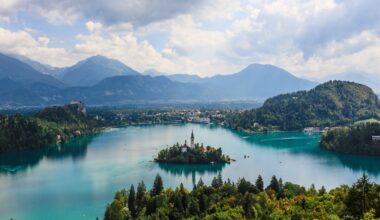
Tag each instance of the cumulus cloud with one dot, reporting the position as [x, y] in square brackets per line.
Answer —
[93, 26]
[309, 38]
[137, 12]
[348, 18]
[124, 47]
[23, 43]
[7, 8]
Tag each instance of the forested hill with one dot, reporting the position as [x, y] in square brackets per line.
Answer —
[355, 139]
[50, 126]
[329, 104]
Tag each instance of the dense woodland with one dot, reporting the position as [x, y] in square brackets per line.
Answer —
[329, 104]
[355, 139]
[197, 155]
[224, 200]
[24, 132]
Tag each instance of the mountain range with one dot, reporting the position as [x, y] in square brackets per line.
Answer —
[99, 80]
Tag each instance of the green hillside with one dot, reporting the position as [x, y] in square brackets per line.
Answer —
[355, 139]
[52, 125]
[330, 104]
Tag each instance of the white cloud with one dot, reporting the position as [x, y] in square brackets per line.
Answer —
[124, 47]
[93, 26]
[309, 38]
[23, 43]
[7, 8]
[138, 12]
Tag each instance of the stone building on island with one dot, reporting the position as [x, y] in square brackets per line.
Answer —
[185, 147]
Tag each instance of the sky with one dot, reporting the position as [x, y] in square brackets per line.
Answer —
[309, 38]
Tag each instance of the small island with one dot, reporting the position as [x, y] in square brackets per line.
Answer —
[194, 154]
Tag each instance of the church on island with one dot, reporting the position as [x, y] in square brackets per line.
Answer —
[185, 147]
[194, 153]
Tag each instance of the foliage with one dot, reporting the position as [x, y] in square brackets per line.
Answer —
[52, 125]
[371, 120]
[329, 104]
[355, 139]
[197, 155]
[243, 201]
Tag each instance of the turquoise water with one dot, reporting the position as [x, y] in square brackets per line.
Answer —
[76, 181]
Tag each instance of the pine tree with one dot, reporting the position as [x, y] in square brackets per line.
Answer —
[194, 207]
[217, 181]
[214, 182]
[220, 179]
[200, 183]
[274, 185]
[260, 183]
[203, 203]
[248, 201]
[141, 190]
[322, 191]
[132, 201]
[359, 197]
[157, 186]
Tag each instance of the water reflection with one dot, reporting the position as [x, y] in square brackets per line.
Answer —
[308, 144]
[14, 162]
[191, 169]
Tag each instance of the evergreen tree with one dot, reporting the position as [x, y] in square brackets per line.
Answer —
[360, 196]
[248, 202]
[158, 186]
[322, 191]
[214, 182]
[281, 185]
[203, 203]
[243, 186]
[132, 201]
[141, 190]
[217, 181]
[220, 179]
[260, 183]
[178, 202]
[200, 183]
[194, 207]
[274, 185]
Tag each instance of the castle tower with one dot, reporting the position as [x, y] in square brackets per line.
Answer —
[192, 144]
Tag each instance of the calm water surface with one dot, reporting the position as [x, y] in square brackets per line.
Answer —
[77, 180]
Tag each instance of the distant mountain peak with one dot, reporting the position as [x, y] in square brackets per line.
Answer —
[263, 68]
[21, 72]
[94, 69]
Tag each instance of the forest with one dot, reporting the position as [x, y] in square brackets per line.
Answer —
[224, 200]
[334, 103]
[354, 139]
[52, 125]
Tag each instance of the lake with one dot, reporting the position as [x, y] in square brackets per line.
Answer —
[77, 180]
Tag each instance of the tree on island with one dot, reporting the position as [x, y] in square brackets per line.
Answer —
[194, 154]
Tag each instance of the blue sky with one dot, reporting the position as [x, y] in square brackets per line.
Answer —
[310, 38]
